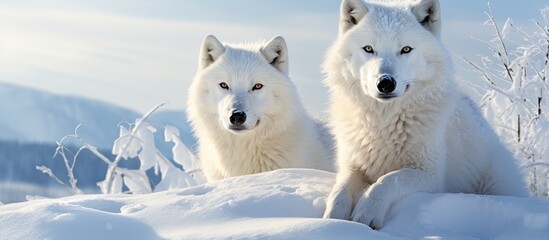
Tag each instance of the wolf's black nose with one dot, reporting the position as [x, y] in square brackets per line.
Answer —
[386, 84]
[238, 118]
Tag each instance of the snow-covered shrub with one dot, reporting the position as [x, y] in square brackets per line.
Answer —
[516, 102]
[136, 141]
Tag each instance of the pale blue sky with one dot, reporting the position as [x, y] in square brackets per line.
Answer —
[140, 53]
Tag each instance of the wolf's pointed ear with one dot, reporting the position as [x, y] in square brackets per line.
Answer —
[211, 50]
[351, 12]
[276, 53]
[427, 13]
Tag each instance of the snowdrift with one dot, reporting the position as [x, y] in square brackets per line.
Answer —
[283, 204]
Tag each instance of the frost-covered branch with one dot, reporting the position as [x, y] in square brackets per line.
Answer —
[135, 141]
[503, 54]
[532, 165]
[518, 106]
[112, 167]
[48, 172]
[86, 145]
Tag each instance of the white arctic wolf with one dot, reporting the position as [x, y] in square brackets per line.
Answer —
[247, 115]
[399, 122]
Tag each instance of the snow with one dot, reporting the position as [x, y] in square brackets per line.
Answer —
[466, 216]
[282, 204]
[12, 191]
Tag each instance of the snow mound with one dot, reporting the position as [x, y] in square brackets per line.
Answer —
[283, 204]
[467, 216]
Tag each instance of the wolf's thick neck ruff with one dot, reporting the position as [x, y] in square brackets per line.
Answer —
[260, 150]
[390, 133]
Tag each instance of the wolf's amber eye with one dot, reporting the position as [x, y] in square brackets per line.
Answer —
[406, 49]
[224, 85]
[257, 86]
[368, 49]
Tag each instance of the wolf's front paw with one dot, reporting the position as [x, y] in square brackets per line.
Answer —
[370, 211]
[339, 205]
[338, 212]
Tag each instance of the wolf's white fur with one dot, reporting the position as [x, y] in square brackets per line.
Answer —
[277, 133]
[429, 137]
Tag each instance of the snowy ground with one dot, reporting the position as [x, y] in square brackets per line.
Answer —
[284, 204]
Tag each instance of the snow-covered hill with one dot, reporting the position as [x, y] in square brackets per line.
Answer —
[30, 115]
[35, 116]
[283, 204]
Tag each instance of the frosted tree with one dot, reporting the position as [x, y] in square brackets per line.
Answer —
[136, 141]
[517, 99]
